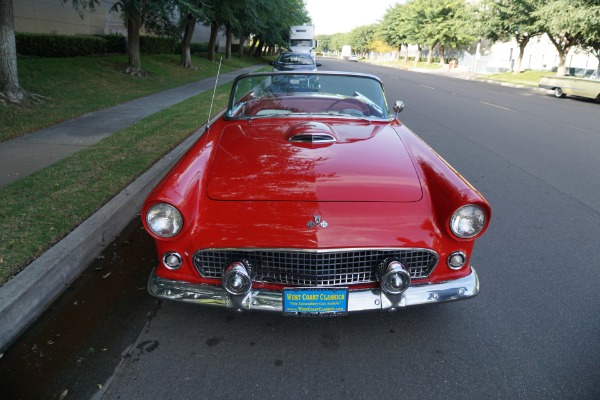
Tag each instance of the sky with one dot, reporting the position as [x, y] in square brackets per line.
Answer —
[337, 16]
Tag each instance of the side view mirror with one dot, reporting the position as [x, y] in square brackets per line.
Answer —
[272, 63]
[398, 106]
[319, 64]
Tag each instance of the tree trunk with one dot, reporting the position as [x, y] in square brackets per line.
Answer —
[430, 54]
[252, 50]
[519, 61]
[442, 54]
[228, 40]
[134, 25]
[561, 70]
[212, 41]
[406, 52]
[562, 45]
[9, 77]
[241, 47]
[259, 48]
[186, 56]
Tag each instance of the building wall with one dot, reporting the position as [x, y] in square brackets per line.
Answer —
[540, 54]
[52, 16]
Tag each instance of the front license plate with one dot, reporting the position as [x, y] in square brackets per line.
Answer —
[315, 302]
[295, 81]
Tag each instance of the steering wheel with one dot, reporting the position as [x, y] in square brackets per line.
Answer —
[357, 106]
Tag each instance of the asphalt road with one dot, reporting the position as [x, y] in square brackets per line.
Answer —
[532, 333]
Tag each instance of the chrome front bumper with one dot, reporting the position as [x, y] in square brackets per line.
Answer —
[358, 300]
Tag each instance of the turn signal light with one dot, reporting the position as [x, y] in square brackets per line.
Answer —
[172, 260]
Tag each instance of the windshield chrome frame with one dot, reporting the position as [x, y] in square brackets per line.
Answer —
[230, 104]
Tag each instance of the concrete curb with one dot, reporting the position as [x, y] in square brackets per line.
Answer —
[25, 298]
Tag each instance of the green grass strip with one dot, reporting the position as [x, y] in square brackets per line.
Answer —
[41, 209]
[74, 86]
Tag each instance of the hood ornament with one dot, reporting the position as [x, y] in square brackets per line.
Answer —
[317, 222]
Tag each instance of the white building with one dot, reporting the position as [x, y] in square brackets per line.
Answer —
[52, 16]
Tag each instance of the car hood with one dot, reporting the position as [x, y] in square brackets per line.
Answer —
[312, 161]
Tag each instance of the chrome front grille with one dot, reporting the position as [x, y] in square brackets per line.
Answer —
[313, 267]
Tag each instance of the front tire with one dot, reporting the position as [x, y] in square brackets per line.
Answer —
[558, 93]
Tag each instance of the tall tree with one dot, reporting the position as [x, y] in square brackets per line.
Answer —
[216, 14]
[338, 40]
[190, 12]
[10, 91]
[362, 37]
[392, 28]
[275, 18]
[324, 42]
[453, 27]
[442, 22]
[568, 23]
[511, 19]
[592, 43]
[155, 15]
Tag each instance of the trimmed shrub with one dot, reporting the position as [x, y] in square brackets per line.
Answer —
[52, 45]
[115, 44]
[199, 48]
[159, 45]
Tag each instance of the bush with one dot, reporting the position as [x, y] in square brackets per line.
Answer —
[199, 48]
[115, 44]
[52, 45]
[159, 45]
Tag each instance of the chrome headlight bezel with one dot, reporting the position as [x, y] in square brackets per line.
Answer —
[468, 221]
[164, 220]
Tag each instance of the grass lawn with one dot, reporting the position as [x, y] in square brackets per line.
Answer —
[411, 64]
[527, 78]
[41, 209]
[75, 86]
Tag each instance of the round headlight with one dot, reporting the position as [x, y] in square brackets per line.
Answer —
[468, 221]
[164, 220]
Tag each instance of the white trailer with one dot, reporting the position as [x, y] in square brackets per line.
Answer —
[302, 40]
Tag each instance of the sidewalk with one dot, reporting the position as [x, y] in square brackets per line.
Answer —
[24, 298]
[37, 150]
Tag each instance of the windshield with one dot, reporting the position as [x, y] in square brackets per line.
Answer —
[295, 59]
[301, 94]
[301, 43]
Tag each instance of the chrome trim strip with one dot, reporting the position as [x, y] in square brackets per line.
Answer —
[358, 300]
[332, 250]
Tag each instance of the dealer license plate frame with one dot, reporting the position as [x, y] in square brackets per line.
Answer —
[315, 301]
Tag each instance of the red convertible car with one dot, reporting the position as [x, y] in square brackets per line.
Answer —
[308, 197]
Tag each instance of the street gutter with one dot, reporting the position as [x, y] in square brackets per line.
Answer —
[26, 297]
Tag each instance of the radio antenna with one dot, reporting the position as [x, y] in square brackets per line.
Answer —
[213, 96]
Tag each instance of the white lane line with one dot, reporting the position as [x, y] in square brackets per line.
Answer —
[428, 87]
[497, 106]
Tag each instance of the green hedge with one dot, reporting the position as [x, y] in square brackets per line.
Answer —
[159, 45]
[42, 45]
[202, 48]
[53, 45]
[198, 48]
[115, 44]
